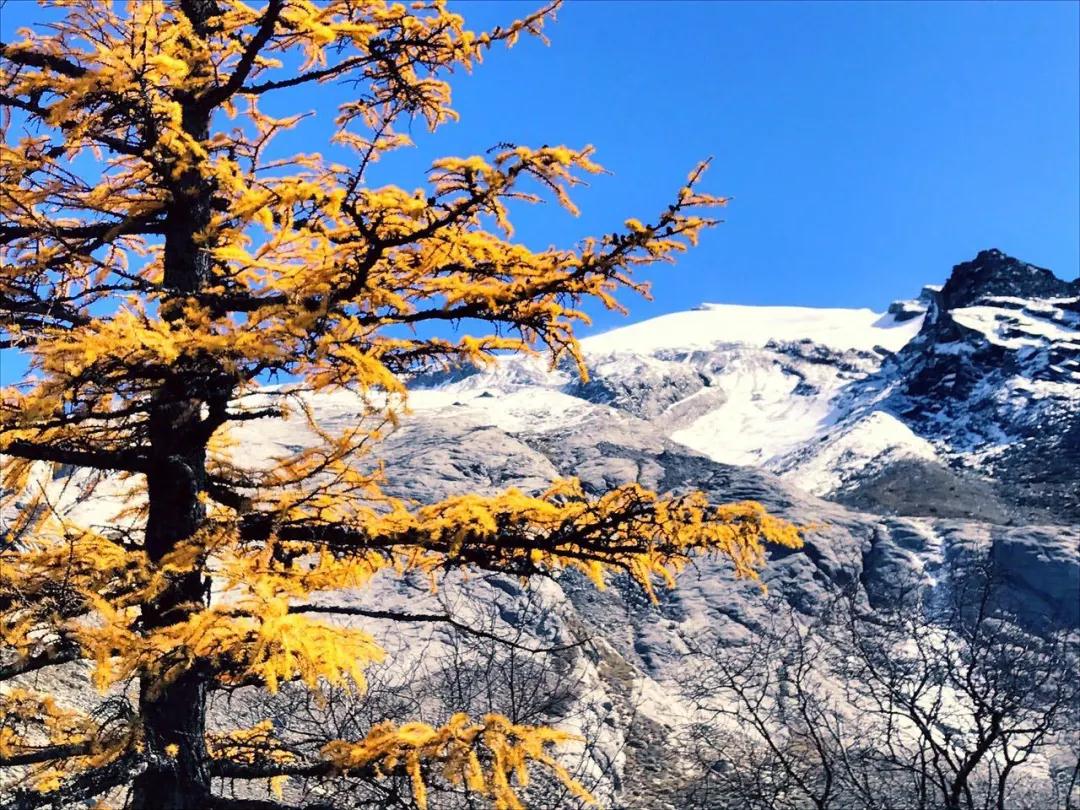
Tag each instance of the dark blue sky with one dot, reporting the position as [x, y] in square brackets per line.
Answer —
[868, 146]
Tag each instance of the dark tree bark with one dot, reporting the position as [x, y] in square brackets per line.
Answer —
[174, 713]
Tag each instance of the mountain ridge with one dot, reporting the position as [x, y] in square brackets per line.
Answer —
[963, 386]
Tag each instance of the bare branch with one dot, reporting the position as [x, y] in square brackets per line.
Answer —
[443, 618]
[46, 754]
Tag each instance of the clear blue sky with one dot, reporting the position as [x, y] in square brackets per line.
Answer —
[868, 146]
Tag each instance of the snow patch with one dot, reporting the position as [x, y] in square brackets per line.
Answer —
[762, 417]
[532, 410]
[716, 324]
[858, 449]
[1012, 329]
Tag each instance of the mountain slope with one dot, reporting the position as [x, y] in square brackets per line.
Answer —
[993, 379]
[629, 697]
[973, 387]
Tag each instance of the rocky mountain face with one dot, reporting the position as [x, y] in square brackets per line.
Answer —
[992, 274]
[901, 440]
[963, 402]
[992, 381]
[949, 423]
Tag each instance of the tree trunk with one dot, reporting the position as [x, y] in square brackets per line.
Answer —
[174, 711]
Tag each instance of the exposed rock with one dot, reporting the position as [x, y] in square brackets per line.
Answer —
[642, 386]
[993, 273]
[913, 487]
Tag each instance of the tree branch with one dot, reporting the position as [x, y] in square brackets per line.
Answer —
[303, 78]
[226, 803]
[50, 656]
[120, 460]
[116, 144]
[247, 60]
[444, 618]
[225, 495]
[80, 788]
[47, 754]
[96, 230]
[231, 769]
[45, 309]
[41, 60]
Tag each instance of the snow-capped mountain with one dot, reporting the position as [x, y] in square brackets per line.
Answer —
[993, 380]
[962, 402]
[950, 422]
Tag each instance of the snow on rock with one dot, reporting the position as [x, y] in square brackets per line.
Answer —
[714, 324]
[515, 410]
[1018, 329]
[980, 376]
[763, 415]
[859, 448]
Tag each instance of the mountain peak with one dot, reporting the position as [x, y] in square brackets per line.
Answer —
[994, 273]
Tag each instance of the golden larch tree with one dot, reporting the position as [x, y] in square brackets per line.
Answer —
[160, 263]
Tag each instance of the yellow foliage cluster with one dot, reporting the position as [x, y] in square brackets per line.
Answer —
[256, 745]
[31, 722]
[249, 745]
[249, 635]
[264, 646]
[628, 528]
[26, 713]
[459, 748]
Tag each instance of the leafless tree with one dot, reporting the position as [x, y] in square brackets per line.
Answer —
[939, 695]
